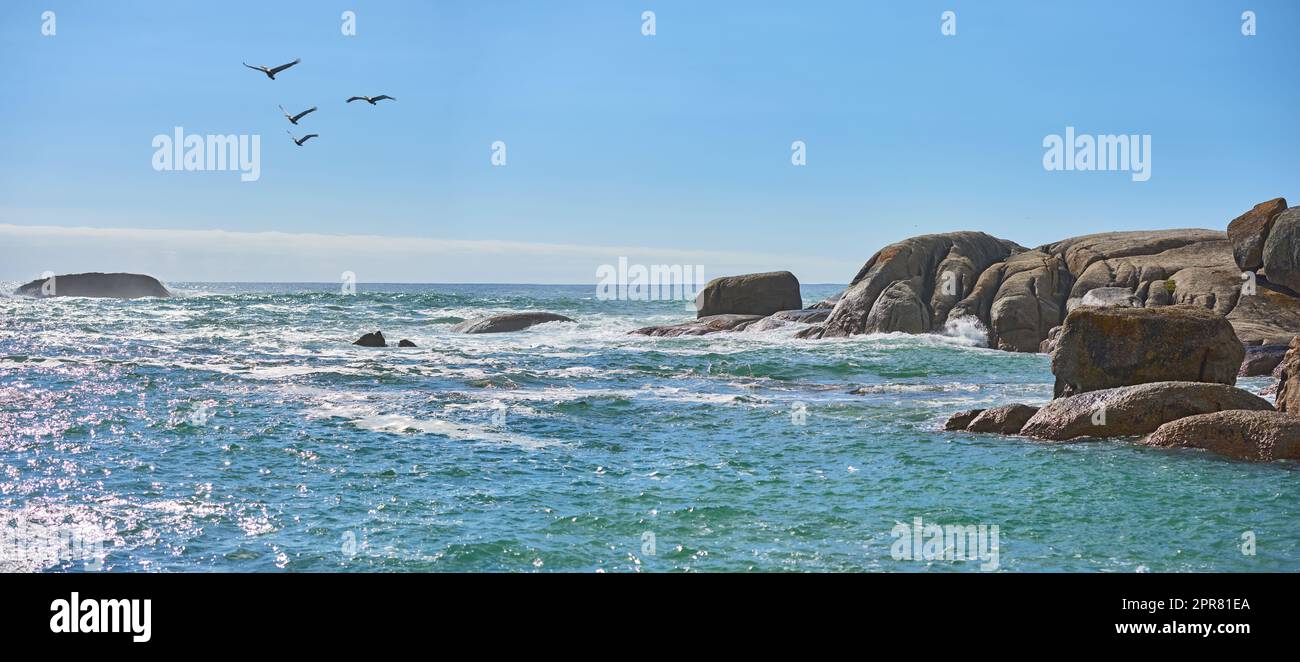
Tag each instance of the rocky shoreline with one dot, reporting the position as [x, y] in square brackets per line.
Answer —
[1148, 330]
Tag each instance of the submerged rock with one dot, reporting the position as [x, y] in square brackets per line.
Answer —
[1107, 347]
[702, 326]
[786, 317]
[507, 322]
[1134, 410]
[1249, 232]
[101, 285]
[1257, 436]
[961, 419]
[1008, 419]
[375, 339]
[405, 343]
[750, 294]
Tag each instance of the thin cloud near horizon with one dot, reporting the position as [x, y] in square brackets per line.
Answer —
[27, 251]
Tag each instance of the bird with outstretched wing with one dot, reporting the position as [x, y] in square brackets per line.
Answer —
[271, 72]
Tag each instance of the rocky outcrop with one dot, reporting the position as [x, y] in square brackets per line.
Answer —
[932, 283]
[506, 323]
[1288, 384]
[1134, 410]
[924, 276]
[1249, 231]
[1256, 436]
[405, 343]
[1018, 301]
[1261, 360]
[100, 285]
[1008, 419]
[702, 326]
[1103, 348]
[1282, 250]
[750, 294]
[375, 339]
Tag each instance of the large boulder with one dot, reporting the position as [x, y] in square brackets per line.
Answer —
[937, 270]
[1107, 347]
[702, 326]
[1282, 250]
[1249, 232]
[1007, 419]
[1288, 384]
[117, 286]
[1261, 360]
[750, 294]
[507, 322]
[1134, 410]
[1257, 436]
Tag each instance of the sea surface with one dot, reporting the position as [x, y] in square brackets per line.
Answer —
[235, 428]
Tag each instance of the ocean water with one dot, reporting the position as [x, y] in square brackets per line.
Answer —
[235, 428]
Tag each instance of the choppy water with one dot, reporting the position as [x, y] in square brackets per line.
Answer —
[236, 428]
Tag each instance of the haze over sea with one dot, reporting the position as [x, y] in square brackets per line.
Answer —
[236, 428]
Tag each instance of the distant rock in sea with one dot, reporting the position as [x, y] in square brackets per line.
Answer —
[405, 343]
[100, 285]
[508, 322]
[702, 326]
[375, 339]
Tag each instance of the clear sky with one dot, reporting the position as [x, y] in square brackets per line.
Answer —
[672, 147]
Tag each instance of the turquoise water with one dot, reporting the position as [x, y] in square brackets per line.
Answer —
[236, 429]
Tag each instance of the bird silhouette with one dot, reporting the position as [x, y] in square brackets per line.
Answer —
[270, 73]
[372, 100]
[300, 141]
[293, 119]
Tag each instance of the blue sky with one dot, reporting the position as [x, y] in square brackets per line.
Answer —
[670, 146]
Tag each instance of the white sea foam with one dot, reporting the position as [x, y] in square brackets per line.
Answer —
[969, 328]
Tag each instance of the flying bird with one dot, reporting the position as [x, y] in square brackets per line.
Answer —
[293, 119]
[300, 141]
[372, 100]
[270, 73]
